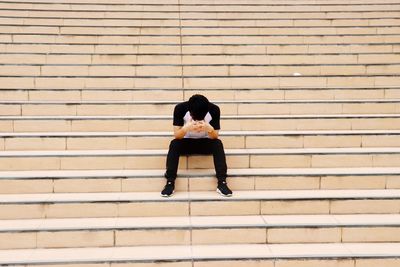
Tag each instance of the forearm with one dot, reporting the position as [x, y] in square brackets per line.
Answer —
[213, 134]
[180, 133]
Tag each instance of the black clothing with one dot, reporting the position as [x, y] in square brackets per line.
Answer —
[196, 143]
[202, 146]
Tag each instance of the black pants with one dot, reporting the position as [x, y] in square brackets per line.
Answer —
[190, 146]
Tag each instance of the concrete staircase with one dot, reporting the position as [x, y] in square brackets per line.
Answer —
[309, 92]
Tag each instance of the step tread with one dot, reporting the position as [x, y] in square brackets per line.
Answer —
[155, 117]
[221, 133]
[199, 196]
[311, 101]
[163, 152]
[365, 171]
[210, 3]
[201, 222]
[354, 87]
[200, 252]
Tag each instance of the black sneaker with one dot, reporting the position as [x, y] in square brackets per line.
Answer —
[223, 189]
[168, 189]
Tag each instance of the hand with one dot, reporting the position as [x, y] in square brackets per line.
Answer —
[204, 126]
[198, 126]
[189, 126]
[208, 127]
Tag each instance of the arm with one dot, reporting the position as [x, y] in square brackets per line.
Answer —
[180, 131]
[212, 133]
[212, 128]
[179, 128]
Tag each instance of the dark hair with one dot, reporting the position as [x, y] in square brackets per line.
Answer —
[198, 107]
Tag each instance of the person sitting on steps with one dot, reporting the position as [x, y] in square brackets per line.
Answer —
[196, 126]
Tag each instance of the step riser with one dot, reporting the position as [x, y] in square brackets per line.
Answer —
[79, 95]
[258, 235]
[146, 62]
[150, 95]
[185, 8]
[211, 71]
[308, 262]
[197, 49]
[195, 83]
[142, 142]
[210, 15]
[198, 162]
[189, 31]
[288, 22]
[292, 263]
[117, 125]
[84, 185]
[190, 3]
[206, 208]
[87, 74]
[187, 40]
[226, 109]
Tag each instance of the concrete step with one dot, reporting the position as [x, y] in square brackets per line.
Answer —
[280, 15]
[198, 230]
[202, 203]
[233, 107]
[106, 94]
[140, 49]
[382, 254]
[259, 82]
[202, 39]
[236, 158]
[211, 3]
[198, 82]
[144, 204]
[96, 181]
[266, 7]
[132, 31]
[219, 69]
[206, 22]
[382, 12]
[287, 8]
[231, 139]
[229, 123]
[48, 25]
[190, 23]
[175, 94]
[115, 94]
[139, 62]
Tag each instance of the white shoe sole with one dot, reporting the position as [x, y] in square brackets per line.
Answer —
[223, 194]
[168, 195]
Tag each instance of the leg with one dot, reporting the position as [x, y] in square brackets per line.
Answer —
[174, 152]
[177, 147]
[215, 147]
[219, 159]
[196, 146]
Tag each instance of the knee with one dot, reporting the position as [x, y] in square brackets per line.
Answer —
[176, 143]
[217, 143]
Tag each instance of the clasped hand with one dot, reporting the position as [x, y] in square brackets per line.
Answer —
[198, 126]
